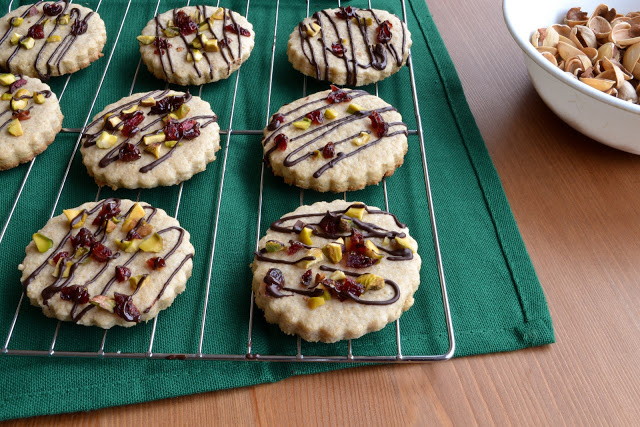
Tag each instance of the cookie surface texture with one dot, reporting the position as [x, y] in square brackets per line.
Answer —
[349, 46]
[335, 271]
[30, 119]
[196, 44]
[50, 39]
[80, 266]
[336, 140]
[150, 139]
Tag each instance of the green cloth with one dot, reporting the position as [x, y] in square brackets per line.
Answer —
[496, 300]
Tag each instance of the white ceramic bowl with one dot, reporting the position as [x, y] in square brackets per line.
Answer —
[602, 117]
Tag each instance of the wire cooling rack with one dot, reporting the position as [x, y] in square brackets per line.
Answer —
[250, 355]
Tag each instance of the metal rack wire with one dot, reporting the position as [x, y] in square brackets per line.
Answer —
[250, 355]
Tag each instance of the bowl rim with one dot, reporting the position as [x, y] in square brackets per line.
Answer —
[535, 56]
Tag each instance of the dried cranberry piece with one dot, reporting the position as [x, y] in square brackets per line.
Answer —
[36, 31]
[357, 260]
[131, 122]
[275, 122]
[78, 27]
[17, 84]
[189, 129]
[315, 117]
[129, 153]
[342, 290]
[338, 48]
[59, 256]
[185, 23]
[237, 29]
[379, 125]
[75, 293]
[274, 280]
[156, 263]
[294, 247]
[346, 12]
[329, 223]
[329, 150]
[306, 278]
[384, 32]
[52, 9]
[84, 238]
[132, 235]
[125, 308]
[100, 252]
[109, 210]
[281, 141]
[224, 42]
[21, 115]
[161, 45]
[33, 11]
[338, 95]
[122, 273]
[170, 103]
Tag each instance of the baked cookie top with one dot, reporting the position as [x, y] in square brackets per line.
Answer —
[335, 140]
[114, 262]
[50, 39]
[30, 119]
[196, 44]
[334, 271]
[349, 46]
[150, 139]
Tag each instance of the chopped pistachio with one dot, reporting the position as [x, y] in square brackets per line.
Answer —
[354, 108]
[137, 282]
[28, 43]
[6, 96]
[153, 149]
[152, 139]
[305, 236]
[355, 212]
[171, 32]
[71, 214]
[54, 39]
[338, 276]
[145, 229]
[20, 93]
[302, 124]
[43, 243]
[330, 113]
[405, 243]
[211, 46]
[135, 215]
[312, 29]
[372, 250]
[15, 39]
[333, 251]
[170, 144]
[106, 140]
[194, 55]
[148, 102]
[152, 244]
[16, 21]
[104, 302]
[317, 255]
[63, 19]
[274, 246]
[130, 110]
[218, 15]
[371, 282]
[38, 98]
[361, 140]
[315, 302]
[7, 79]
[15, 128]
[146, 39]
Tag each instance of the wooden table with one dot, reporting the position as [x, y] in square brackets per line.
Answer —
[578, 207]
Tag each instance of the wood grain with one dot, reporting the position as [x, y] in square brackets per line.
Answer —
[577, 204]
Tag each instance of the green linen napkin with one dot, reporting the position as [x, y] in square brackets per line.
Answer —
[496, 300]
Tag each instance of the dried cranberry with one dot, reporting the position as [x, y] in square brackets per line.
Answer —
[329, 150]
[338, 95]
[170, 103]
[33, 11]
[100, 252]
[132, 235]
[17, 84]
[237, 29]
[276, 121]
[107, 211]
[21, 115]
[156, 263]
[52, 9]
[125, 308]
[306, 278]
[36, 31]
[131, 122]
[185, 23]
[356, 238]
[129, 153]
[84, 238]
[122, 273]
[75, 293]
[60, 255]
[379, 125]
[384, 32]
[346, 12]
[315, 117]
[274, 277]
[78, 27]
[338, 48]
[346, 288]
[171, 131]
[189, 129]
[329, 223]
[357, 260]
[161, 45]
[281, 141]
[294, 247]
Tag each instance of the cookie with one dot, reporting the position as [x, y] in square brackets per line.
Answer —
[334, 271]
[336, 140]
[349, 46]
[150, 139]
[196, 44]
[114, 262]
[30, 119]
[50, 39]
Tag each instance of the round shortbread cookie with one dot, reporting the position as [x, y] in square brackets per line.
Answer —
[336, 140]
[69, 273]
[349, 45]
[334, 271]
[30, 119]
[50, 39]
[147, 140]
[196, 44]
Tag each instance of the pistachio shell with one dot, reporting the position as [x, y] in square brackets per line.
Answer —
[567, 41]
[631, 58]
[626, 92]
[562, 30]
[602, 85]
[575, 16]
[567, 51]
[575, 65]
[607, 50]
[623, 34]
[600, 27]
[551, 58]
[602, 10]
[583, 37]
[590, 52]
[552, 50]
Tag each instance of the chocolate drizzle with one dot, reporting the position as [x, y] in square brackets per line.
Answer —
[377, 51]
[59, 282]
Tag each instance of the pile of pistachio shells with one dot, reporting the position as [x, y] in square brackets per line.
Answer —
[601, 50]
